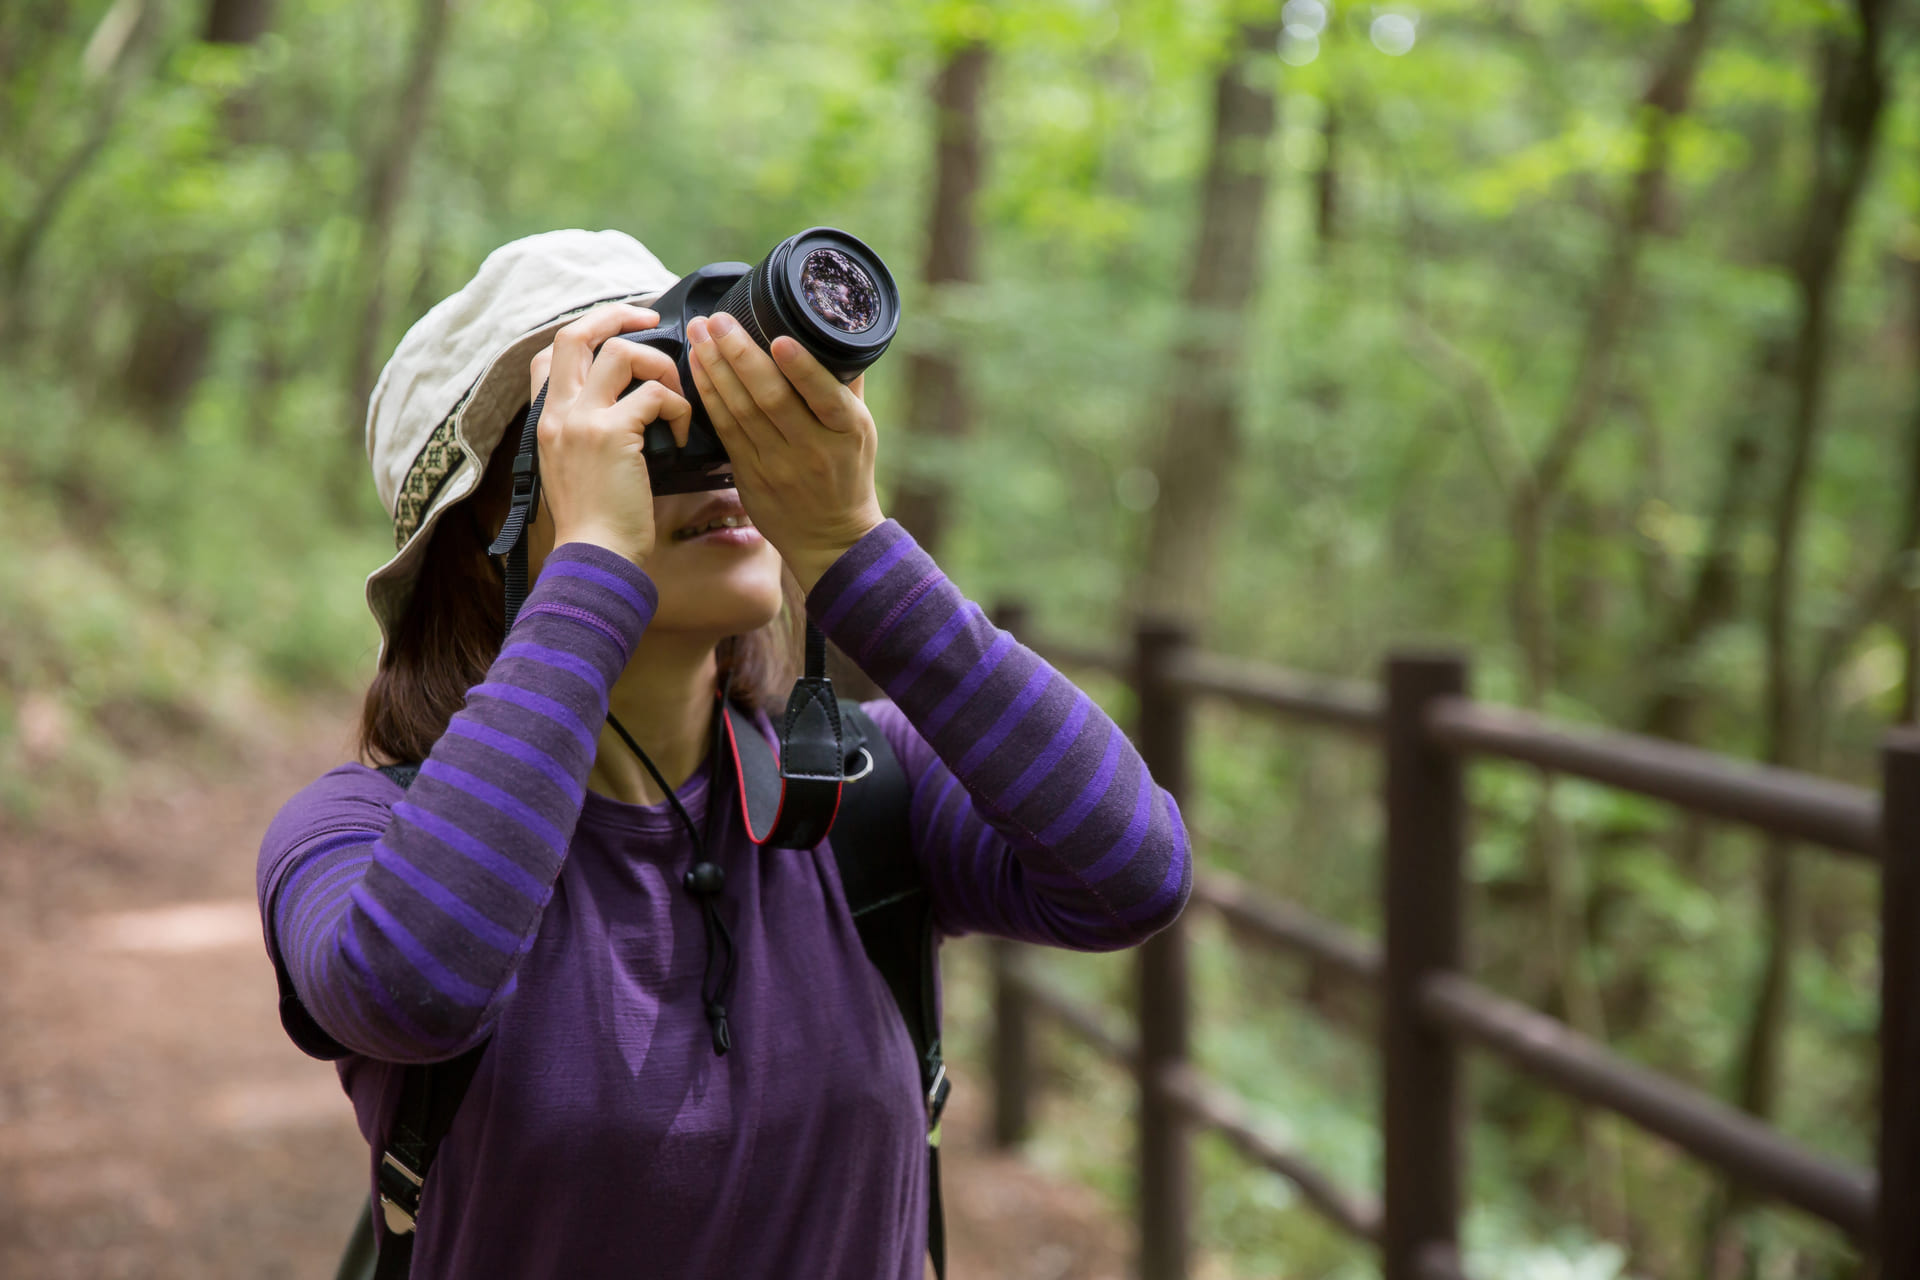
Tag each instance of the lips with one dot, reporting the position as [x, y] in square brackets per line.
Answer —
[722, 511]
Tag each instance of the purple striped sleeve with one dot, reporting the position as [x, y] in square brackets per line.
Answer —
[428, 904]
[1033, 815]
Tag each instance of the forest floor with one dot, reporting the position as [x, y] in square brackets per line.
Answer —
[155, 1122]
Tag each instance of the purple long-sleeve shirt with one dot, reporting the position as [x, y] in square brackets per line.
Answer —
[498, 897]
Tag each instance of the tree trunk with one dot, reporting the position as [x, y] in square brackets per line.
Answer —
[124, 66]
[175, 331]
[30, 27]
[173, 340]
[1533, 505]
[1907, 562]
[385, 187]
[1854, 91]
[1534, 501]
[1200, 434]
[938, 407]
[1326, 179]
[1714, 597]
[237, 21]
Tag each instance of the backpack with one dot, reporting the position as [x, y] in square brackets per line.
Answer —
[891, 910]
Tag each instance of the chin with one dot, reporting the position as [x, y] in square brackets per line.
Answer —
[738, 594]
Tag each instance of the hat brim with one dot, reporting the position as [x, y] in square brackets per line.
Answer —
[479, 422]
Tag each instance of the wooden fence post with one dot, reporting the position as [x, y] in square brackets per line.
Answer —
[1012, 1011]
[1012, 1048]
[1165, 1176]
[1898, 1243]
[1422, 891]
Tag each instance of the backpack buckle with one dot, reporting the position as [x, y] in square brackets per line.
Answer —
[399, 1194]
[937, 1090]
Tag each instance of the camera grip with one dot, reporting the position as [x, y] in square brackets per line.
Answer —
[671, 468]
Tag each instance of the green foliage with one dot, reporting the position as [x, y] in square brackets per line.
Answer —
[176, 558]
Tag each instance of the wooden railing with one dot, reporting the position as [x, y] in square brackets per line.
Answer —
[1428, 727]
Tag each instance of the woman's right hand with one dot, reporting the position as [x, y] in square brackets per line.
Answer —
[593, 472]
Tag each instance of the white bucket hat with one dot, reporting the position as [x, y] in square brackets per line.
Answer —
[444, 399]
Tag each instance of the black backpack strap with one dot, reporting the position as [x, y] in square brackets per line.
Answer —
[873, 848]
[430, 1096]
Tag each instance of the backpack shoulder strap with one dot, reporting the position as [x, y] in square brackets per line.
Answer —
[873, 847]
[430, 1097]
[404, 774]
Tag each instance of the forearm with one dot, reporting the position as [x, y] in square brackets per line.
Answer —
[403, 941]
[1103, 857]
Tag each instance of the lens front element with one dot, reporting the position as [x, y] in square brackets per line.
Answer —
[827, 291]
[838, 291]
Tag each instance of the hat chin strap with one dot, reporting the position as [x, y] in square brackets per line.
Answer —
[812, 754]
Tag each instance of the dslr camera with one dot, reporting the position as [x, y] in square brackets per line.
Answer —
[823, 288]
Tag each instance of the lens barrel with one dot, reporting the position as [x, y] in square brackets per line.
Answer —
[827, 291]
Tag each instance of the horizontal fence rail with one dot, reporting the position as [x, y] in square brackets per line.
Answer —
[1207, 1104]
[1779, 801]
[1227, 1114]
[1340, 704]
[1428, 728]
[1290, 928]
[1723, 1136]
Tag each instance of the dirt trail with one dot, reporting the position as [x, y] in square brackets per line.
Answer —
[154, 1121]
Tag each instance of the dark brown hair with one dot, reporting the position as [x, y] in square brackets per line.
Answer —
[451, 631]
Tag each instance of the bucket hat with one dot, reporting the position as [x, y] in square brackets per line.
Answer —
[449, 393]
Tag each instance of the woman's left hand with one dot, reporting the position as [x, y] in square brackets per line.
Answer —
[802, 443]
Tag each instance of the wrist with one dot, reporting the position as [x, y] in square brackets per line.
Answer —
[809, 564]
[607, 540]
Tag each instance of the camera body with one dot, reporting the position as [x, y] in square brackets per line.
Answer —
[823, 287]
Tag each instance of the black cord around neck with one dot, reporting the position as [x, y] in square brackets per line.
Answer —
[704, 881]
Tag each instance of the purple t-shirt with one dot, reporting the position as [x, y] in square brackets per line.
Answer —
[498, 897]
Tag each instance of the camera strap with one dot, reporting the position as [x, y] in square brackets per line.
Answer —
[791, 808]
[514, 536]
[791, 803]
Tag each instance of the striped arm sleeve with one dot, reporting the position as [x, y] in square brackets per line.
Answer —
[403, 918]
[1032, 814]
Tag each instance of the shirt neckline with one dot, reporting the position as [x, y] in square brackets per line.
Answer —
[604, 811]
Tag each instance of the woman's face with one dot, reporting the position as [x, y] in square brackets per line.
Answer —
[717, 576]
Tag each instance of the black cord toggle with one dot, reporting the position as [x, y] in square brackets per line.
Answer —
[717, 1019]
[705, 881]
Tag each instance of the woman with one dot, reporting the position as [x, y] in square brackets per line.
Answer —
[527, 889]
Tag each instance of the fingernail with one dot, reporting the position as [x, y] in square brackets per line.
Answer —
[721, 325]
[697, 329]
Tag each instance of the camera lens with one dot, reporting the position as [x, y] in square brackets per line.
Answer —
[839, 291]
[827, 291]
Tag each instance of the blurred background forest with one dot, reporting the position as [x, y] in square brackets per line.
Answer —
[1583, 334]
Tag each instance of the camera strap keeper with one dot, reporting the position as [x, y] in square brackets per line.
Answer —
[514, 531]
[791, 803]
